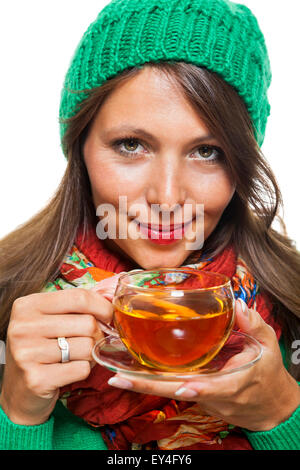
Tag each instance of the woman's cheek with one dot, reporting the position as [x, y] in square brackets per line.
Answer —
[120, 180]
[215, 199]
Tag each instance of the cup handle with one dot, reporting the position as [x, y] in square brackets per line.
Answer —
[106, 328]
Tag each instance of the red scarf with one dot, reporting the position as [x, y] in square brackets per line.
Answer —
[129, 420]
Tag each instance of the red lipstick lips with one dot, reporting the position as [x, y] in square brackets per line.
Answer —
[163, 234]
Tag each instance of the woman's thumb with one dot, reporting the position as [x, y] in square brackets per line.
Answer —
[250, 321]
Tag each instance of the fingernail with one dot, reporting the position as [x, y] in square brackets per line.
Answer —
[185, 392]
[244, 307]
[120, 383]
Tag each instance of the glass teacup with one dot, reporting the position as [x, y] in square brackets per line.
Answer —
[173, 319]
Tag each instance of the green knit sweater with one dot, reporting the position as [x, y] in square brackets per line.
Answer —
[65, 431]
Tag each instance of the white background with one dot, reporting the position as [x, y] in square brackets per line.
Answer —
[37, 41]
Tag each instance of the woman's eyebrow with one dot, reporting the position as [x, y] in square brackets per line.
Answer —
[143, 133]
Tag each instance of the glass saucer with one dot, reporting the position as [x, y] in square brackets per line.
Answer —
[239, 352]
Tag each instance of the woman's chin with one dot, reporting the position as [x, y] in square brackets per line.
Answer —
[150, 255]
[150, 259]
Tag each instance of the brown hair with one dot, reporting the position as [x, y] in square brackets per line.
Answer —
[32, 254]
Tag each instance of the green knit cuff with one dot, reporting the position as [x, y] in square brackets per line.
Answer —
[18, 437]
[285, 436]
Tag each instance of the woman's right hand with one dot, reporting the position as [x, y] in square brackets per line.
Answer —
[33, 372]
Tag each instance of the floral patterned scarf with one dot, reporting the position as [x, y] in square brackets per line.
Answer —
[129, 420]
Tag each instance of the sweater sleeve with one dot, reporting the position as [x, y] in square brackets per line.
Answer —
[285, 436]
[62, 431]
[18, 437]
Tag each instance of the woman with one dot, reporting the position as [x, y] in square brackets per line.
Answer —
[165, 103]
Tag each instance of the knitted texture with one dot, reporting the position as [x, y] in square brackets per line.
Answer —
[285, 436]
[62, 431]
[219, 35]
[17, 437]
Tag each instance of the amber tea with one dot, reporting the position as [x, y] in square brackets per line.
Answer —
[174, 333]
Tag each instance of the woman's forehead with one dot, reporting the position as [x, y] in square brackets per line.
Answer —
[149, 102]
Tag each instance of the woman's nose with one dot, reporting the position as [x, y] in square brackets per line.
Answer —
[166, 184]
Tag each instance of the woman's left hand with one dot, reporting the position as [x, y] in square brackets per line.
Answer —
[258, 398]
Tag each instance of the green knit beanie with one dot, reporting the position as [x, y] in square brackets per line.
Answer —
[220, 35]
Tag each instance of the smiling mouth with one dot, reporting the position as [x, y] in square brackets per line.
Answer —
[164, 234]
[163, 228]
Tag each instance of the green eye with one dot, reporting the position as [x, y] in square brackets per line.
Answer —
[130, 147]
[128, 144]
[206, 152]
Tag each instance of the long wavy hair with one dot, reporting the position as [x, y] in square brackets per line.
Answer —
[31, 255]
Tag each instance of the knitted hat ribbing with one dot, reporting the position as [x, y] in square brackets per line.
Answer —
[219, 35]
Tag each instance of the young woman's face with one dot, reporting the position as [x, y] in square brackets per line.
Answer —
[173, 166]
